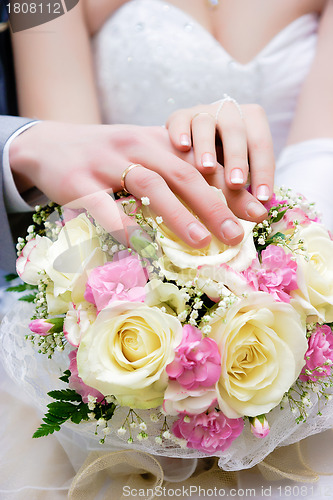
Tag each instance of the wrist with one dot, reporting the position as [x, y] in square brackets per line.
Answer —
[23, 159]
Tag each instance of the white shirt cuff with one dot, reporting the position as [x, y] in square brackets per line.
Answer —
[13, 200]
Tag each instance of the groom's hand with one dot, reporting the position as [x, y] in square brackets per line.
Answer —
[86, 162]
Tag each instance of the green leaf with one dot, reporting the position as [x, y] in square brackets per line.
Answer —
[11, 277]
[61, 409]
[53, 421]
[77, 418]
[28, 298]
[21, 288]
[110, 411]
[65, 377]
[45, 430]
[65, 395]
[275, 237]
[279, 216]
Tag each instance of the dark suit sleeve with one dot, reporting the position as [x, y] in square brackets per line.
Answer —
[8, 125]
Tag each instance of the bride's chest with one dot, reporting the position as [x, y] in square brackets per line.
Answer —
[241, 27]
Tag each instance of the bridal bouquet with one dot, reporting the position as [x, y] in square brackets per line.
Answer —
[184, 349]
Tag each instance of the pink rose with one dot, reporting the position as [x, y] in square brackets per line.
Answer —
[208, 432]
[76, 383]
[122, 279]
[275, 275]
[197, 362]
[319, 356]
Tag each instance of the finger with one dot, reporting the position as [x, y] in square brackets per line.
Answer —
[192, 188]
[101, 205]
[242, 203]
[179, 128]
[261, 152]
[232, 131]
[141, 182]
[203, 137]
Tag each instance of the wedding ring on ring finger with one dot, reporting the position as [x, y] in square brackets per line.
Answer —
[125, 172]
[202, 113]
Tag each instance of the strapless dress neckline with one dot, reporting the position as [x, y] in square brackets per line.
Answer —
[272, 45]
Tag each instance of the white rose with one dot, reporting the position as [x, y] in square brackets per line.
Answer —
[177, 399]
[183, 263]
[315, 276]
[33, 259]
[262, 345]
[57, 304]
[76, 250]
[78, 320]
[126, 350]
[165, 295]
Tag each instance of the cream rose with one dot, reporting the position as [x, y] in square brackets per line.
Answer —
[165, 295]
[124, 353]
[262, 345]
[315, 276]
[76, 250]
[216, 263]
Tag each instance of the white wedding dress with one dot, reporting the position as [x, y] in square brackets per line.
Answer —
[152, 58]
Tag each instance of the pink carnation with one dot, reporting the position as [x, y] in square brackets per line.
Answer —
[76, 383]
[208, 432]
[276, 274]
[122, 279]
[319, 356]
[295, 214]
[197, 362]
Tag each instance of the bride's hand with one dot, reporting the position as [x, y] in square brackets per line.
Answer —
[86, 162]
[242, 131]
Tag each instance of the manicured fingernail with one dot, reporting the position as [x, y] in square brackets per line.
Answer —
[263, 192]
[208, 160]
[236, 176]
[254, 209]
[230, 229]
[185, 140]
[197, 232]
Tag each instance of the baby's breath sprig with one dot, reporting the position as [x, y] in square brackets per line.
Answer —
[40, 300]
[296, 200]
[165, 433]
[298, 399]
[299, 396]
[131, 422]
[42, 214]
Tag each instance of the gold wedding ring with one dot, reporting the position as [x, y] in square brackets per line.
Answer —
[125, 172]
[202, 113]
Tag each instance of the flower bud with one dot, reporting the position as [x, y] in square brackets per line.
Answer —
[259, 426]
[46, 327]
[142, 244]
